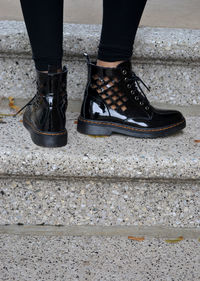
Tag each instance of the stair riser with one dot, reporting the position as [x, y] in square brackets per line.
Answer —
[170, 83]
[80, 202]
[96, 259]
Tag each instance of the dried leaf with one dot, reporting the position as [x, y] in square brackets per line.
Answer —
[11, 104]
[176, 240]
[197, 141]
[136, 238]
[4, 114]
[76, 122]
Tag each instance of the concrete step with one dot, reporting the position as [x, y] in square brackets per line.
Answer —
[97, 259]
[66, 213]
[166, 59]
[100, 181]
[120, 157]
[99, 202]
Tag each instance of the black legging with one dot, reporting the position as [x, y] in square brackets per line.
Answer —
[44, 22]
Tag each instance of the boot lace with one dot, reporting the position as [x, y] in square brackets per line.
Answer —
[35, 99]
[28, 103]
[133, 83]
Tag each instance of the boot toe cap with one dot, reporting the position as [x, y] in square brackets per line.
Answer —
[167, 117]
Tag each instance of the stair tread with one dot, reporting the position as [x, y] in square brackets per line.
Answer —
[97, 258]
[151, 42]
[174, 157]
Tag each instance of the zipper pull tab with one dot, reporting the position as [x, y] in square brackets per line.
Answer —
[49, 99]
[87, 57]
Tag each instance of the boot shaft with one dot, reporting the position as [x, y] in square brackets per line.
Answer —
[47, 111]
[113, 91]
[52, 84]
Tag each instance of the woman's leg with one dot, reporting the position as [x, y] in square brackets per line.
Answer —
[44, 23]
[44, 116]
[120, 22]
[114, 101]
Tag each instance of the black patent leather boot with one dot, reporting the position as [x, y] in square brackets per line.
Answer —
[114, 102]
[44, 116]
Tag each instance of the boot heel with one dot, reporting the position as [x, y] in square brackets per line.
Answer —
[49, 141]
[43, 139]
[87, 128]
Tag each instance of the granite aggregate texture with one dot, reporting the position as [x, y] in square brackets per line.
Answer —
[157, 43]
[86, 202]
[25, 258]
[175, 157]
[170, 83]
[166, 59]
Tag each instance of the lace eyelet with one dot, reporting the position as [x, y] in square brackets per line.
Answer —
[124, 71]
[128, 86]
[141, 103]
[132, 92]
[136, 98]
[125, 79]
[147, 107]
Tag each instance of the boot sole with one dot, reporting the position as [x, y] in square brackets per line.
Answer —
[46, 139]
[105, 128]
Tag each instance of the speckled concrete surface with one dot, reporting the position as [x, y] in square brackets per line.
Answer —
[170, 83]
[85, 202]
[167, 60]
[156, 43]
[97, 259]
[176, 157]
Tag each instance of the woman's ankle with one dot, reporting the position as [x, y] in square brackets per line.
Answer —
[107, 63]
